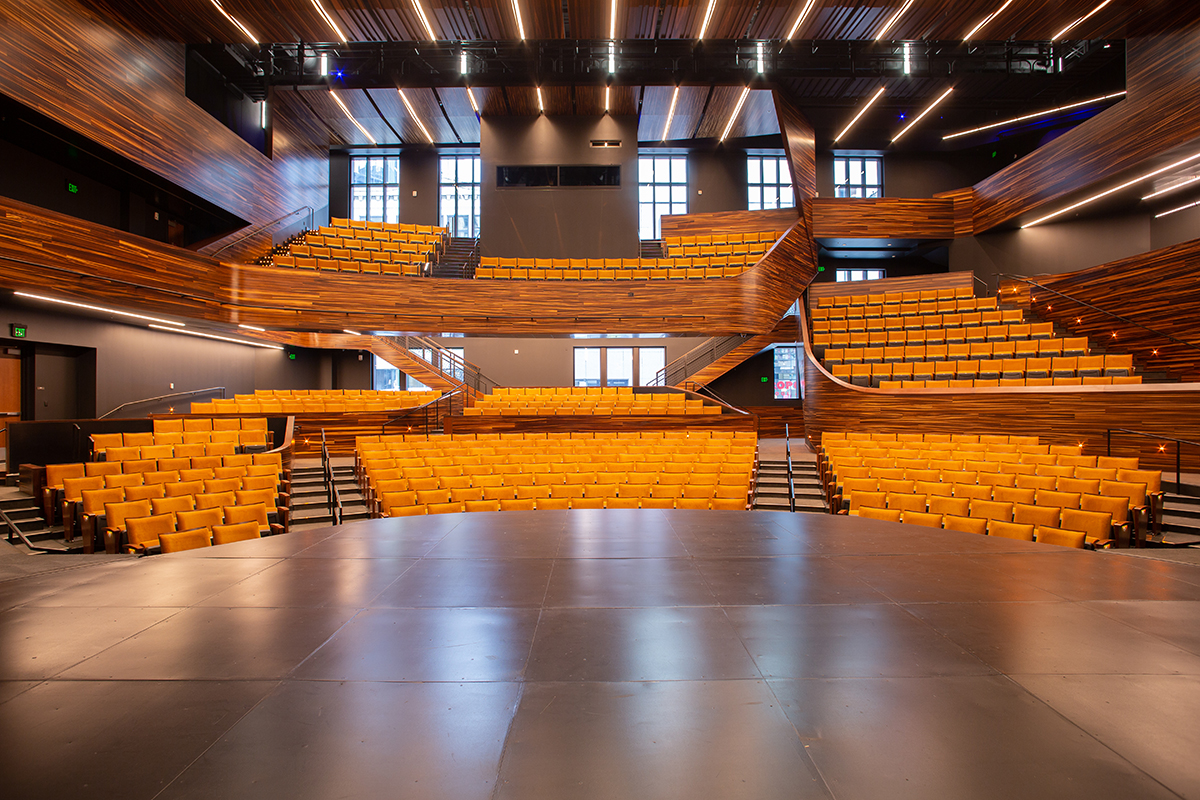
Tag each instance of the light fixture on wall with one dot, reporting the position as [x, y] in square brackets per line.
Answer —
[263, 345]
[325, 15]
[887, 26]
[73, 304]
[1174, 210]
[878, 93]
[612, 57]
[323, 64]
[1079, 21]
[670, 113]
[760, 53]
[1035, 115]
[921, 116]
[520, 25]
[907, 58]
[424, 20]
[1172, 188]
[235, 21]
[736, 110]
[412, 112]
[350, 117]
[800, 19]
[252, 327]
[262, 114]
[462, 62]
[986, 20]
[708, 12]
[1113, 190]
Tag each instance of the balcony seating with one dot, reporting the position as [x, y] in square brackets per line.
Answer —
[587, 401]
[378, 249]
[315, 401]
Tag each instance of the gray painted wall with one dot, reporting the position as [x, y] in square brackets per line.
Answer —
[717, 180]
[558, 222]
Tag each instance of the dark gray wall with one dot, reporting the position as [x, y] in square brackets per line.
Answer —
[339, 185]
[558, 222]
[419, 174]
[41, 182]
[717, 180]
[57, 390]
[920, 174]
[350, 371]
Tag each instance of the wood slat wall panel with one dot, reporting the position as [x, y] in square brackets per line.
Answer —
[771, 421]
[728, 222]
[786, 330]
[948, 280]
[559, 423]
[1059, 415]
[800, 144]
[963, 201]
[884, 218]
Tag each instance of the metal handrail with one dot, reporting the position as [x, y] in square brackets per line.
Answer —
[1145, 434]
[468, 374]
[221, 389]
[425, 408]
[332, 497]
[1101, 310]
[264, 226]
[690, 362]
[787, 448]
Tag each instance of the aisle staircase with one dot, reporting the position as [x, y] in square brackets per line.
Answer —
[1181, 519]
[25, 513]
[459, 259]
[310, 503]
[771, 487]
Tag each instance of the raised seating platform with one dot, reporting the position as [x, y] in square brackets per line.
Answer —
[314, 401]
[540, 401]
[374, 248]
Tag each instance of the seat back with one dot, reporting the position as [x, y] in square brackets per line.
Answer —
[1058, 536]
[239, 532]
[144, 531]
[185, 540]
[200, 518]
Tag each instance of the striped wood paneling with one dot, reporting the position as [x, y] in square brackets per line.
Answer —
[884, 218]
[800, 145]
[948, 280]
[771, 421]
[787, 330]
[559, 423]
[728, 222]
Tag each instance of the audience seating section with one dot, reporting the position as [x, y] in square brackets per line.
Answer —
[172, 439]
[315, 401]
[587, 401]
[368, 248]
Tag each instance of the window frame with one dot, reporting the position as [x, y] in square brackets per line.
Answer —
[868, 274]
[676, 191]
[848, 187]
[635, 364]
[472, 188]
[781, 185]
[388, 184]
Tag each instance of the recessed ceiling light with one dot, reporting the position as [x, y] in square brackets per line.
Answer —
[252, 327]
[1172, 211]
[471, 97]
[232, 19]
[871, 102]
[607, 90]
[413, 113]
[803, 13]
[520, 24]
[219, 338]
[541, 107]
[612, 20]
[1035, 115]
[708, 12]
[72, 303]
[921, 116]
[986, 20]
[1172, 188]
[350, 117]
[670, 113]
[1079, 21]
[352, 333]
[425, 20]
[325, 15]
[736, 110]
[888, 25]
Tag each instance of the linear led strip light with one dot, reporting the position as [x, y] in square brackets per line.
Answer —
[520, 25]
[736, 110]
[234, 20]
[871, 102]
[219, 338]
[1172, 188]
[541, 106]
[325, 15]
[887, 26]
[986, 20]
[921, 116]
[1113, 190]
[800, 19]
[73, 304]
[412, 112]
[1079, 21]
[1181, 208]
[350, 117]
[612, 21]
[425, 20]
[1035, 115]
[471, 97]
[708, 12]
[670, 113]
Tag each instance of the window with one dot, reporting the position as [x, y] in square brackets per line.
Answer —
[617, 366]
[375, 189]
[387, 378]
[857, 176]
[842, 275]
[662, 189]
[458, 197]
[787, 374]
[769, 182]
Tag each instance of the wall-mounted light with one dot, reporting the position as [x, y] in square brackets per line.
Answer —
[234, 20]
[73, 304]
[325, 15]
[670, 113]
[424, 20]
[887, 26]
[541, 106]
[1174, 210]
[1035, 115]
[1079, 21]
[736, 110]
[262, 115]
[462, 62]
[921, 116]
[1114, 190]
[907, 58]
[708, 12]
[878, 93]
[612, 57]
[986, 20]
[800, 18]
[412, 112]
[350, 117]
[219, 338]
[520, 24]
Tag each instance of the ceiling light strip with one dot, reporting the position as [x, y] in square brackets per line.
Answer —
[921, 116]
[887, 26]
[612, 20]
[1035, 115]
[1171, 188]
[986, 20]
[1113, 190]
[670, 113]
[325, 15]
[736, 110]
[800, 19]
[520, 24]
[871, 102]
[219, 338]
[1079, 21]
[471, 97]
[541, 106]
[425, 20]
[1181, 208]
[607, 91]
[350, 117]
[708, 12]
[97, 308]
[412, 112]
[234, 20]
[252, 327]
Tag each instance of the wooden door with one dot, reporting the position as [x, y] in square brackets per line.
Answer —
[10, 393]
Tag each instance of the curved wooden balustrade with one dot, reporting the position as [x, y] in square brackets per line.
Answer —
[48, 253]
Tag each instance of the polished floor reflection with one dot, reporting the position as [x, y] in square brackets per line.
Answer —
[605, 654]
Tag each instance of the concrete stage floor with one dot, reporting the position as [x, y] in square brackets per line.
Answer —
[605, 654]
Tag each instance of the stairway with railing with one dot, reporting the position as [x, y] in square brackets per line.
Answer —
[443, 369]
[714, 357]
[458, 260]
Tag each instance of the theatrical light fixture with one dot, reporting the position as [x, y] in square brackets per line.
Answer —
[350, 117]
[1172, 188]
[220, 338]
[800, 19]
[425, 20]
[325, 15]
[541, 107]
[736, 110]
[986, 20]
[760, 57]
[412, 112]
[252, 328]
[471, 97]
[96, 308]
[1172, 211]
[612, 57]
[708, 12]
[323, 61]
[907, 58]
[921, 116]
[1079, 21]
[887, 26]
[239, 25]
[1115, 189]
[520, 24]
[670, 113]
[871, 102]
[352, 333]
[1035, 115]
[462, 62]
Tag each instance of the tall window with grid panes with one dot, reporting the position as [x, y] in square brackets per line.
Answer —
[662, 189]
[375, 189]
[768, 182]
[458, 196]
[857, 176]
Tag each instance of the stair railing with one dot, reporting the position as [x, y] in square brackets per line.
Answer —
[447, 362]
[1159, 438]
[332, 498]
[697, 359]
[429, 415]
[787, 449]
[257, 229]
[210, 390]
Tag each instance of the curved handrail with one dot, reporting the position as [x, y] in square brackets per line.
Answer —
[1106, 312]
[264, 226]
[1146, 435]
[220, 389]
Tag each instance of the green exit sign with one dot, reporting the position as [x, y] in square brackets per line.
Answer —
[73, 188]
[18, 331]
[292, 356]
[766, 379]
